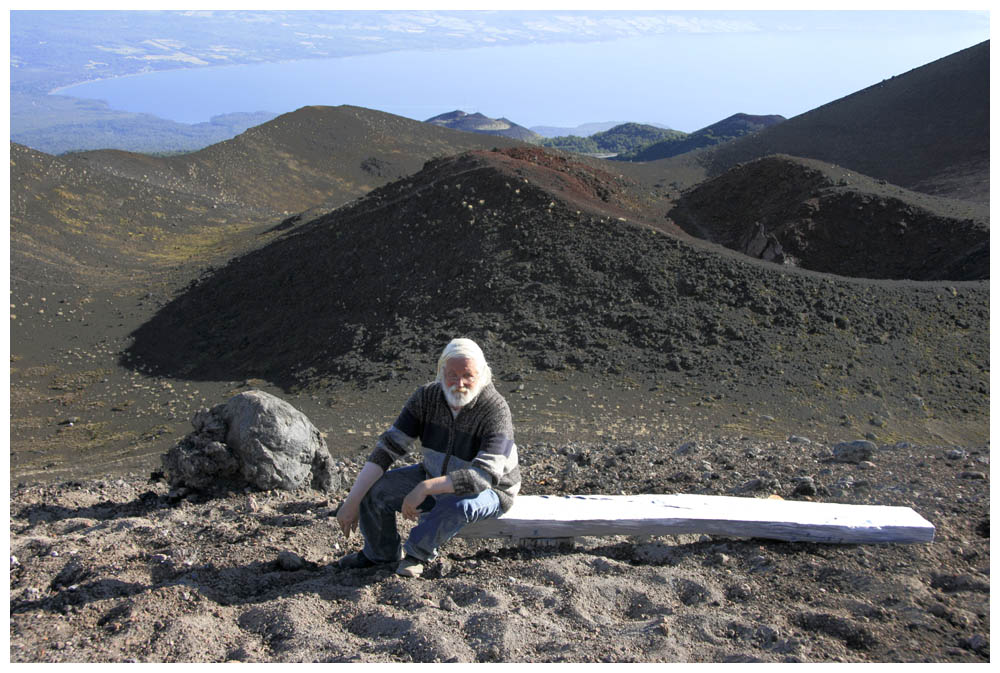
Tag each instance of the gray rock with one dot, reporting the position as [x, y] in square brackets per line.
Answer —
[795, 439]
[277, 445]
[199, 463]
[289, 560]
[254, 439]
[977, 643]
[806, 486]
[955, 454]
[686, 449]
[853, 452]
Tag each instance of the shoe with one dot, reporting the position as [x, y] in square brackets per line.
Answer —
[410, 566]
[356, 561]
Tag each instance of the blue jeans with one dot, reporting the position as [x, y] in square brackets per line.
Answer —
[443, 516]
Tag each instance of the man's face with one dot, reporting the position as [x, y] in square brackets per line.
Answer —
[460, 377]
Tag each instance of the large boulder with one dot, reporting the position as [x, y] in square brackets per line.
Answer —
[254, 439]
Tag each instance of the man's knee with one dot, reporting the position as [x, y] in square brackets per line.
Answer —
[467, 509]
[388, 491]
[378, 496]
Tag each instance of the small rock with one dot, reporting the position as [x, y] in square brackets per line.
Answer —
[853, 452]
[866, 465]
[448, 603]
[955, 454]
[739, 593]
[290, 561]
[806, 486]
[686, 449]
[976, 643]
[972, 475]
[795, 439]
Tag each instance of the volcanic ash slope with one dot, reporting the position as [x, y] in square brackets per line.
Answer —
[540, 261]
[830, 219]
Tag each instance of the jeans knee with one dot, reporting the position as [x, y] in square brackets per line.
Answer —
[375, 498]
[461, 508]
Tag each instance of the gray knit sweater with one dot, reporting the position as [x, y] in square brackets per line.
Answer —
[475, 448]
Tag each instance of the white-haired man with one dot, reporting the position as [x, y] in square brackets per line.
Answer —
[469, 470]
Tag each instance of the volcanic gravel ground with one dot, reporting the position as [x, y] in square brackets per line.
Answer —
[123, 569]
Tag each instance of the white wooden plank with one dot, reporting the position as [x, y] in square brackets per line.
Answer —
[547, 516]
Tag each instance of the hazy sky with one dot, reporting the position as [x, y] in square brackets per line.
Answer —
[679, 68]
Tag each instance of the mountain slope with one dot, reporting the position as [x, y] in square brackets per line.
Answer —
[733, 127]
[313, 157]
[69, 224]
[926, 130]
[825, 218]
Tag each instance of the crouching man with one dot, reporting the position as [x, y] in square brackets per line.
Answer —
[469, 470]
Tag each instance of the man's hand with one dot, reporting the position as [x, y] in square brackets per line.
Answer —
[412, 501]
[347, 516]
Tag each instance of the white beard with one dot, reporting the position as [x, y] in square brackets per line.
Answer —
[456, 398]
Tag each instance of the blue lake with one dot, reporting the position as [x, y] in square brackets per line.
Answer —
[681, 80]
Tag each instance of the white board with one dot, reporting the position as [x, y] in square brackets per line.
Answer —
[550, 516]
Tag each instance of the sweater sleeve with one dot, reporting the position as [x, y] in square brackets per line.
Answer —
[400, 437]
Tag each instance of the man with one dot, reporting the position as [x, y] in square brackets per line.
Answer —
[469, 470]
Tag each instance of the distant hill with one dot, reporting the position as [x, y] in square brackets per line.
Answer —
[96, 215]
[926, 130]
[728, 129]
[480, 123]
[584, 130]
[43, 123]
[315, 157]
[627, 137]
